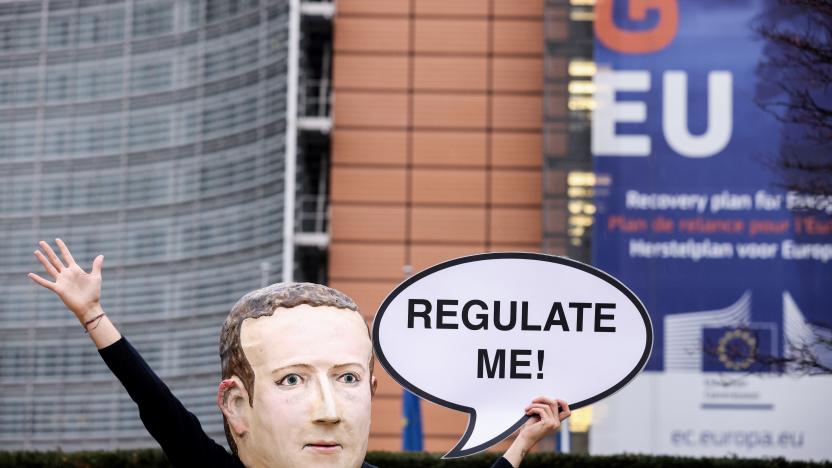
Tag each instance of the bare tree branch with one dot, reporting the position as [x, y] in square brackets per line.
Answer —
[797, 77]
[799, 358]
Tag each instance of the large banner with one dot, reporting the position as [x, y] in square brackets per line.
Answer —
[728, 246]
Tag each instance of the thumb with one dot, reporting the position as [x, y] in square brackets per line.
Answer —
[96, 265]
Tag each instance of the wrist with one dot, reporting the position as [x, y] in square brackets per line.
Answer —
[515, 455]
[524, 443]
[89, 313]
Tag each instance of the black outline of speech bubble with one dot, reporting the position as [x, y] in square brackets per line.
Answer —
[456, 452]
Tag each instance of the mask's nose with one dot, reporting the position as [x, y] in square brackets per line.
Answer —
[325, 406]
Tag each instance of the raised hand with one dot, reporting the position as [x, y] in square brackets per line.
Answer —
[547, 420]
[546, 416]
[79, 290]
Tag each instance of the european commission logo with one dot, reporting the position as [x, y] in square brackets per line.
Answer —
[727, 340]
[742, 349]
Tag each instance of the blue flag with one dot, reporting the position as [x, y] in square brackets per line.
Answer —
[412, 440]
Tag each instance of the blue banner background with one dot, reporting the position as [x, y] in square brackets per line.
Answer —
[712, 35]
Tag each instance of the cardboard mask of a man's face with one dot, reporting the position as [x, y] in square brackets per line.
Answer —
[312, 388]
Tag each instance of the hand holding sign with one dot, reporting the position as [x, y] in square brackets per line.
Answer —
[545, 417]
[489, 333]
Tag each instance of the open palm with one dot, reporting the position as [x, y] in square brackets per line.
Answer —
[80, 291]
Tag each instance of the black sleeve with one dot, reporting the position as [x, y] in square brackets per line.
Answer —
[502, 463]
[176, 429]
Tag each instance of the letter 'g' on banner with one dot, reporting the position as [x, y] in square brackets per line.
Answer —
[637, 41]
[488, 333]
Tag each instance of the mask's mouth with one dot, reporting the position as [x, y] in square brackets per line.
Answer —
[324, 446]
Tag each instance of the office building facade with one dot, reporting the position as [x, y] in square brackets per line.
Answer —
[154, 133]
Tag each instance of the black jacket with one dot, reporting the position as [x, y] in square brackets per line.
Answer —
[175, 428]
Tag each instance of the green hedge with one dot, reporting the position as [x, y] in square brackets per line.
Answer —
[155, 458]
[540, 460]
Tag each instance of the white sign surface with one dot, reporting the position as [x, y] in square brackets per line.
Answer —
[486, 334]
[715, 415]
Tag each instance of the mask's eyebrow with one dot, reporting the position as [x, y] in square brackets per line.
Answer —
[299, 365]
[350, 364]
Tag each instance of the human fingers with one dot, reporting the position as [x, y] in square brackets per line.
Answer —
[546, 401]
[559, 407]
[547, 411]
[46, 284]
[46, 265]
[65, 252]
[564, 412]
[551, 402]
[50, 254]
[545, 418]
[97, 264]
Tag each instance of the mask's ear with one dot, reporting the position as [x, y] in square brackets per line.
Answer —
[232, 398]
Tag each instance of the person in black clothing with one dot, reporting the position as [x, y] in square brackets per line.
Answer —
[297, 377]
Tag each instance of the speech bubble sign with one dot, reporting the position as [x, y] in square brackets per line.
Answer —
[486, 334]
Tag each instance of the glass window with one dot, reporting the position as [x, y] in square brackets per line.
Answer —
[192, 71]
[53, 195]
[16, 196]
[194, 13]
[7, 85]
[229, 117]
[106, 135]
[104, 80]
[232, 59]
[87, 24]
[107, 26]
[18, 89]
[18, 35]
[147, 187]
[26, 89]
[112, 28]
[22, 141]
[85, 84]
[152, 19]
[108, 81]
[103, 189]
[46, 358]
[6, 135]
[145, 243]
[219, 9]
[59, 32]
[58, 85]
[151, 76]
[11, 362]
[56, 144]
[82, 138]
[149, 129]
[192, 125]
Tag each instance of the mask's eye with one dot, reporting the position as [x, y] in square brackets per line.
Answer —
[348, 378]
[290, 380]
